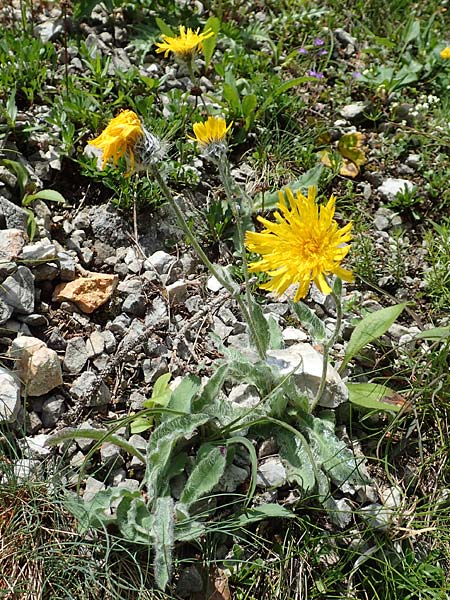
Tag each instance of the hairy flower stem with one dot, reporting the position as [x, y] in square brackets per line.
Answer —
[326, 350]
[205, 260]
[227, 180]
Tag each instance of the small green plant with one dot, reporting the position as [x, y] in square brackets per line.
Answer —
[437, 275]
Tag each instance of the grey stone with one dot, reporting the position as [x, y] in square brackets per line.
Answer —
[137, 400]
[67, 266]
[413, 161]
[6, 268]
[391, 187]
[35, 446]
[158, 312]
[56, 340]
[381, 223]
[9, 396]
[292, 335]
[45, 272]
[15, 216]
[38, 367]
[134, 331]
[34, 320]
[92, 486]
[52, 410]
[220, 329]
[377, 516]
[95, 345]
[110, 455]
[12, 242]
[33, 422]
[177, 291]
[7, 177]
[190, 582]
[5, 310]
[48, 30]
[306, 365]
[17, 291]
[76, 355]
[138, 442]
[271, 473]
[135, 304]
[101, 362]
[213, 284]
[131, 285]
[268, 448]
[160, 261]
[85, 444]
[85, 386]
[108, 226]
[109, 341]
[38, 251]
[25, 469]
[153, 368]
[120, 325]
[245, 395]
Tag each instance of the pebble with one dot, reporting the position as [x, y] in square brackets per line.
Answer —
[85, 386]
[271, 473]
[76, 355]
[17, 291]
[391, 187]
[9, 396]
[52, 410]
[38, 367]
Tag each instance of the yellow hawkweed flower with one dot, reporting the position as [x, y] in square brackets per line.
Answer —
[303, 244]
[119, 138]
[445, 53]
[212, 131]
[186, 44]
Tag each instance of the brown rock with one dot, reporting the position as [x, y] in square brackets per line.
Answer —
[88, 293]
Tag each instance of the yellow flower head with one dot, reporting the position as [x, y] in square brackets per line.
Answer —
[303, 244]
[445, 53]
[212, 131]
[186, 44]
[119, 138]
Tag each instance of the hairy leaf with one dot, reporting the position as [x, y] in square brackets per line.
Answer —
[371, 395]
[135, 520]
[297, 459]
[164, 539]
[205, 475]
[310, 321]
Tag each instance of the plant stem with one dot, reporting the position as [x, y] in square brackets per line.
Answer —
[326, 350]
[205, 260]
[225, 175]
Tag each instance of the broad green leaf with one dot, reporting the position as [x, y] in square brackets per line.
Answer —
[332, 454]
[370, 328]
[412, 31]
[205, 475]
[269, 201]
[164, 540]
[337, 286]
[184, 393]
[22, 174]
[435, 334]
[209, 45]
[328, 502]
[135, 520]
[249, 104]
[161, 385]
[276, 341]
[260, 324]
[265, 511]
[50, 195]
[160, 446]
[96, 513]
[211, 389]
[296, 459]
[11, 108]
[310, 321]
[164, 28]
[370, 396]
[140, 424]
[231, 95]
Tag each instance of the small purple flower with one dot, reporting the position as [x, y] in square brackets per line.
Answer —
[319, 42]
[322, 52]
[315, 74]
[356, 74]
[303, 51]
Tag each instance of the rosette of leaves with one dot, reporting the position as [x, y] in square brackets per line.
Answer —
[347, 155]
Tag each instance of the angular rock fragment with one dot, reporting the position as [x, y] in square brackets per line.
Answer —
[9, 396]
[38, 367]
[88, 293]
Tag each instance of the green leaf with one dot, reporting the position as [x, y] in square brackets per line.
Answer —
[208, 46]
[135, 520]
[231, 95]
[20, 171]
[332, 454]
[227, 278]
[435, 334]
[276, 341]
[370, 328]
[50, 195]
[11, 108]
[370, 396]
[96, 513]
[211, 389]
[163, 529]
[412, 31]
[260, 324]
[160, 446]
[186, 531]
[269, 201]
[296, 459]
[184, 393]
[205, 475]
[164, 28]
[140, 424]
[265, 511]
[310, 321]
[249, 104]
